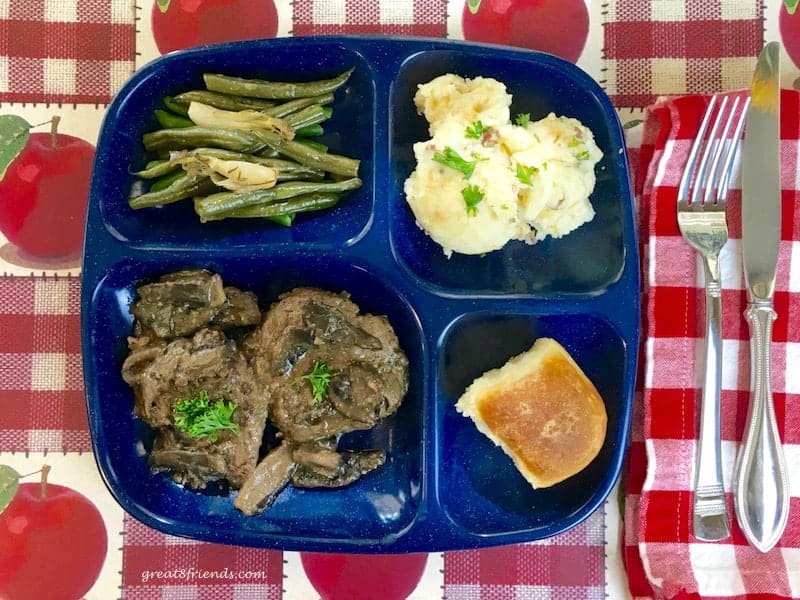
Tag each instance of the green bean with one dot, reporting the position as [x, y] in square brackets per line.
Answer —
[312, 157]
[155, 169]
[220, 205]
[314, 144]
[192, 137]
[313, 115]
[175, 107]
[292, 106]
[273, 90]
[223, 101]
[269, 153]
[284, 219]
[314, 130]
[302, 203]
[184, 187]
[167, 180]
[170, 120]
[286, 168]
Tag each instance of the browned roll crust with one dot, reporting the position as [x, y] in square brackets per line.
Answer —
[542, 410]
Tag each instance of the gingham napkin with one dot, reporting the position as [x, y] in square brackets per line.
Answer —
[663, 558]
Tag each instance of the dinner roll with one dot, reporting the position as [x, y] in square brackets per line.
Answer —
[542, 410]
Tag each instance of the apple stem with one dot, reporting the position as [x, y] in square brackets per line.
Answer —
[54, 130]
[45, 471]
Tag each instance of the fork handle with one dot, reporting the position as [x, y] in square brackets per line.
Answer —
[710, 512]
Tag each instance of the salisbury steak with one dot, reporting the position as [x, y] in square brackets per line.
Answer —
[164, 368]
[367, 370]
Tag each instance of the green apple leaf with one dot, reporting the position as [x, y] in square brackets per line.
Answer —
[474, 5]
[9, 484]
[163, 5]
[791, 5]
[14, 134]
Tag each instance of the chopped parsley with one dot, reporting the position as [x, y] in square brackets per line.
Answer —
[451, 158]
[476, 130]
[524, 173]
[472, 197]
[199, 417]
[320, 379]
[522, 119]
[584, 155]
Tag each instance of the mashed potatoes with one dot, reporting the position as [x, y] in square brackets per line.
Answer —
[482, 181]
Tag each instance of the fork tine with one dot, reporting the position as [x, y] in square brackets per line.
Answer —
[736, 141]
[688, 171]
[716, 178]
[703, 172]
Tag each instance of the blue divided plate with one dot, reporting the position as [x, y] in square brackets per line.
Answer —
[444, 485]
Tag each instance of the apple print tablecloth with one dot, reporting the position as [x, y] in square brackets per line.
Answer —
[67, 58]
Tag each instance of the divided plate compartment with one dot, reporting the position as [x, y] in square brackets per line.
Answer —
[444, 485]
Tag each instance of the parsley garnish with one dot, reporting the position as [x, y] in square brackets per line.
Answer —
[320, 379]
[201, 418]
[522, 119]
[524, 173]
[476, 130]
[451, 158]
[472, 197]
[582, 155]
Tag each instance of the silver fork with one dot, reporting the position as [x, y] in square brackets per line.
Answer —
[702, 195]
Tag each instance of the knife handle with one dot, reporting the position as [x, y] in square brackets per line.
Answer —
[761, 489]
[710, 515]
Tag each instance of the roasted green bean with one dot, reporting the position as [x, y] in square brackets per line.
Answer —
[155, 169]
[292, 106]
[186, 186]
[313, 144]
[312, 157]
[311, 115]
[302, 203]
[175, 107]
[170, 120]
[222, 204]
[273, 90]
[285, 219]
[167, 180]
[223, 101]
[314, 130]
[192, 137]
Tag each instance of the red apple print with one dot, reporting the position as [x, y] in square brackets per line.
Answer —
[53, 541]
[559, 27]
[44, 189]
[789, 26]
[364, 577]
[179, 24]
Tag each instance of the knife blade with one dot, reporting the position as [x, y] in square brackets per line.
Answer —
[761, 490]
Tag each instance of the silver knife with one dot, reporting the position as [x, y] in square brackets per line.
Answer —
[761, 488]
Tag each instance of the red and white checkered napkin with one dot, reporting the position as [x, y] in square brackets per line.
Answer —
[663, 558]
